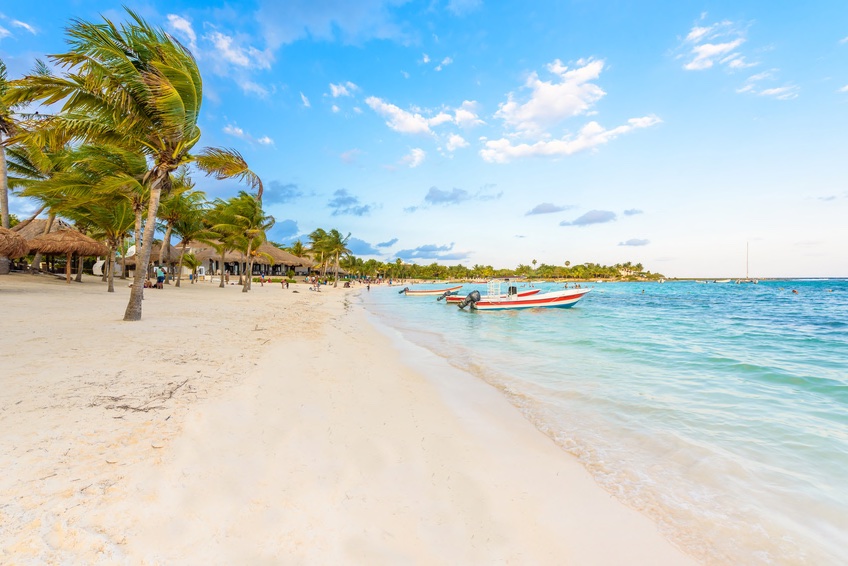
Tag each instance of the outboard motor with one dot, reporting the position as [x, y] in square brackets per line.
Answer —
[470, 299]
[446, 294]
[404, 290]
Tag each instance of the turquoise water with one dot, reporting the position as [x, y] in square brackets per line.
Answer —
[720, 410]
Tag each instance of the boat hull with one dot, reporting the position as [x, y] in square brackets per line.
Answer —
[429, 292]
[556, 299]
[452, 299]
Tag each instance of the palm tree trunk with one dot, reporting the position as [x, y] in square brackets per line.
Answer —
[223, 269]
[180, 265]
[35, 268]
[133, 311]
[4, 187]
[68, 268]
[336, 281]
[4, 204]
[249, 273]
[111, 260]
[166, 243]
[123, 263]
[78, 278]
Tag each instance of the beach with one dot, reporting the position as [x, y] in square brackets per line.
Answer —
[272, 427]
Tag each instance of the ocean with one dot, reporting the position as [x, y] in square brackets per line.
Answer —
[720, 410]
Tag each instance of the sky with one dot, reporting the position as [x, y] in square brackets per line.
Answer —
[687, 136]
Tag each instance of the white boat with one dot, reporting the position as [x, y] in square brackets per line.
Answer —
[495, 300]
[453, 299]
[427, 292]
[722, 281]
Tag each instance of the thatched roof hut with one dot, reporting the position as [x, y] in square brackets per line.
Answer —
[12, 244]
[67, 242]
[34, 228]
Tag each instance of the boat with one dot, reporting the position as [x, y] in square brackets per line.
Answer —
[722, 281]
[747, 278]
[453, 299]
[494, 300]
[427, 292]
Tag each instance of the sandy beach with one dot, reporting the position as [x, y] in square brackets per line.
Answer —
[272, 427]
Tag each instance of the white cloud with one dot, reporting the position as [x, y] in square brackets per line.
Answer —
[752, 85]
[415, 157]
[397, 119]
[237, 132]
[843, 40]
[305, 100]
[715, 44]
[4, 32]
[445, 62]
[227, 48]
[234, 131]
[252, 87]
[781, 93]
[415, 121]
[335, 109]
[844, 89]
[404, 74]
[24, 25]
[455, 141]
[705, 55]
[342, 89]
[466, 115]
[425, 58]
[184, 28]
[569, 94]
[590, 136]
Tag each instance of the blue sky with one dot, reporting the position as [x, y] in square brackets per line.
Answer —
[465, 131]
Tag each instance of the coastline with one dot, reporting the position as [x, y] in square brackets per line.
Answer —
[273, 424]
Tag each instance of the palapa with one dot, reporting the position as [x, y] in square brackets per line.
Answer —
[12, 244]
[67, 242]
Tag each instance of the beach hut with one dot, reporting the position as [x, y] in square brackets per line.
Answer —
[67, 242]
[12, 244]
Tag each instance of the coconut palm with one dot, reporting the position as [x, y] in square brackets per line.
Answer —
[192, 262]
[136, 87]
[189, 224]
[336, 246]
[245, 225]
[318, 247]
[297, 249]
[170, 209]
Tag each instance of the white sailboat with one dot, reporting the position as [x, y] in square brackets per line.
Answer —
[747, 278]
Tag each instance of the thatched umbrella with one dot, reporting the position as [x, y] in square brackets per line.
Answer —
[67, 242]
[12, 244]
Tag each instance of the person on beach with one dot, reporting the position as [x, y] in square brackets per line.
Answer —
[160, 277]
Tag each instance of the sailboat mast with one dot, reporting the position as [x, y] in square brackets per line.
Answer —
[747, 246]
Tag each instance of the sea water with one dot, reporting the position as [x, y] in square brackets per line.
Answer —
[720, 410]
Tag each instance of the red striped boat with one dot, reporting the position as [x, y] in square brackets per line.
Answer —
[427, 292]
[453, 299]
[494, 300]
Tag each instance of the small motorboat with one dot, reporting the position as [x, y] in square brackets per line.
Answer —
[454, 299]
[427, 292]
[494, 300]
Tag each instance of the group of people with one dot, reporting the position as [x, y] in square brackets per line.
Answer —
[160, 279]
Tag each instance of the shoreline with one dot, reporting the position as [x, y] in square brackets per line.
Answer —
[305, 431]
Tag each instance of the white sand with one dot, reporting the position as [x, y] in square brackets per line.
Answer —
[271, 428]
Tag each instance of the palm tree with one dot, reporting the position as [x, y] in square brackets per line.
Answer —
[336, 246]
[189, 225]
[297, 249]
[136, 87]
[318, 245]
[190, 261]
[170, 209]
[245, 224]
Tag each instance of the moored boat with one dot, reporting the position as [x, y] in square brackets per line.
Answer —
[427, 292]
[453, 299]
[494, 300]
